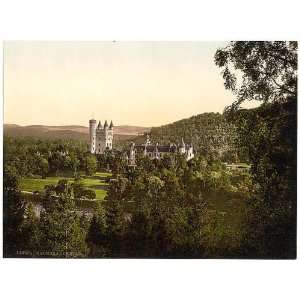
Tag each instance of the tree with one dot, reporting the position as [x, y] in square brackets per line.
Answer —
[97, 233]
[89, 194]
[60, 225]
[43, 166]
[90, 164]
[78, 188]
[115, 218]
[30, 230]
[262, 71]
[115, 227]
[13, 214]
[266, 72]
[74, 163]
[63, 187]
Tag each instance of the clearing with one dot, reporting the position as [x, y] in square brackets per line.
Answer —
[95, 182]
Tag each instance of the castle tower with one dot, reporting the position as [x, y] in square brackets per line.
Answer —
[101, 138]
[131, 157]
[148, 142]
[190, 152]
[109, 136]
[100, 147]
[92, 127]
[182, 147]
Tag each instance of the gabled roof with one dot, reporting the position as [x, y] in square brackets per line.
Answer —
[159, 148]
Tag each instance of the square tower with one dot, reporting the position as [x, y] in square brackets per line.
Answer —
[103, 138]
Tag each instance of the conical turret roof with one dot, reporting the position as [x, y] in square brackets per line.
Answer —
[105, 124]
[111, 125]
[99, 125]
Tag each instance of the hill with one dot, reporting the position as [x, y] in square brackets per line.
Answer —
[208, 132]
[69, 132]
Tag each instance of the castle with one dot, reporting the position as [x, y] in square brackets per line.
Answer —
[101, 138]
[158, 151]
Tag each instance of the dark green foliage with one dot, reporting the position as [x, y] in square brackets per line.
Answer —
[90, 164]
[115, 220]
[111, 160]
[161, 209]
[271, 141]
[268, 70]
[210, 134]
[30, 230]
[32, 157]
[97, 233]
[13, 214]
[62, 233]
[269, 136]
[89, 194]
[78, 188]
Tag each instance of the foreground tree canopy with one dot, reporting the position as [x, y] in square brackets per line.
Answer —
[266, 72]
[262, 71]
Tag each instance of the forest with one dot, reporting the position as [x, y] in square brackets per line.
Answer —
[171, 208]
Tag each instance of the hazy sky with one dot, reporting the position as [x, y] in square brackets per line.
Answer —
[135, 83]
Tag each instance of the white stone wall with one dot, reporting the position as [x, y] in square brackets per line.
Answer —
[190, 153]
[92, 126]
[102, 140]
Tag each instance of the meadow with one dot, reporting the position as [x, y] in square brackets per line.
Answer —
[96, 182]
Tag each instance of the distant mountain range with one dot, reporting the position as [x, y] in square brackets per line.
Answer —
[77, 132]
[208, 132]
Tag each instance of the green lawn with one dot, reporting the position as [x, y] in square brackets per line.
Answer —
[95, 182]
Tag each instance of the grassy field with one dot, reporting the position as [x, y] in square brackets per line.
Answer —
[95, 182]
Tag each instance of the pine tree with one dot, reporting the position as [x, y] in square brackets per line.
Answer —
[96, 236]
[115, 226]
[13, 214]
[61, 232]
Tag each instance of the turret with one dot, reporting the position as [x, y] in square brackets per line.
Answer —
[182, 147]
[156, 152]
[148, 142]
[190, 153]
[99, 125]
[132, 154]
[92, 127]
[108, 134]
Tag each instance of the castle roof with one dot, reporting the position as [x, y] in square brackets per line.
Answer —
[99, 125]
[158, 148]
[111, 125]
[105, 124]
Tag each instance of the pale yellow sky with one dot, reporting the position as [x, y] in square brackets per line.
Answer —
[134, 83]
